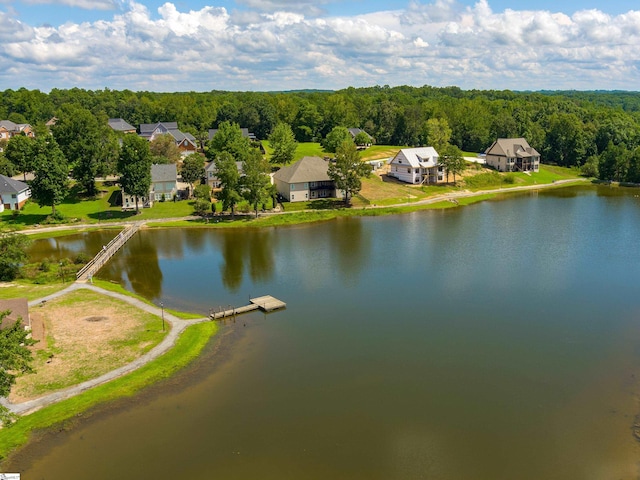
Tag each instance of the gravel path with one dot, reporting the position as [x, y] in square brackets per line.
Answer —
[177, 327]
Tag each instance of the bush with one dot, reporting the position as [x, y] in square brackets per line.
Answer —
[45, 265]
[81, 258]
[510, 178]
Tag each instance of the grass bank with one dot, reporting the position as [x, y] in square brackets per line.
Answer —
[61, 415]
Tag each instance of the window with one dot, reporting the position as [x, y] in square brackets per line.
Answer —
[293, 186]
[408, 170]
[306, 186]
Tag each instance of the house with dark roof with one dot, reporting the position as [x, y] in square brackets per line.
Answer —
[211, 173]
[120, 125]
[417, 166]
[10, 129]
[512, 155]
[354, 132]
[164, 186]
[18, 309]
[185, 141]
[307, 179]
[245, 133]
[13, 193]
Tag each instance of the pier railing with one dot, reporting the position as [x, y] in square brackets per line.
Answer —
[107, 252]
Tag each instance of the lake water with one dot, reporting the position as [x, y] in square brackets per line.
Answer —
[495, 341]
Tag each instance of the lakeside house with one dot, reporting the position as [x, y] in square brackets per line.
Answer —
[13, 193]
[164, 187]
[307, 179]
[211, 173]
[512, 155]
[184, 141]
[18, 310]
[417, 166]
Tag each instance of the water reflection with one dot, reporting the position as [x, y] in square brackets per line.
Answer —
[250, 251]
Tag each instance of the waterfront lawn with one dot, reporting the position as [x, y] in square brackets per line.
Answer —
[187, 348]
[86, 334]
[104, 207]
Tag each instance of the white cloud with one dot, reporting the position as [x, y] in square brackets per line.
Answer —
[437, 43]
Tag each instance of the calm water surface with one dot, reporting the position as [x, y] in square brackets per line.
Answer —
[496, 341]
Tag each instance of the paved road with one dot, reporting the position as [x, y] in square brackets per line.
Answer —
[177, 327]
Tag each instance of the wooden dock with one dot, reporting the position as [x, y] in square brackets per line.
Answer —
[265, 303]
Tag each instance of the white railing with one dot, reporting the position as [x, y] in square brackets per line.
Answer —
[107, 252]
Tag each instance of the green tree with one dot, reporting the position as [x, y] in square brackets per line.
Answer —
[590, 167]
[335, 138]
[227, 173]
[452, 160]
[203, 199]
[229, 139]
[6, 167]
[163, 149]
[12, 254]
[255, 182]
[19, 153]
[134, 165]
[78, 134]
[347, 171]
[438, 133]
[51, 173]
[15, 358]
[192, 169]
[362, 138]
[283, 144]
[633, 174]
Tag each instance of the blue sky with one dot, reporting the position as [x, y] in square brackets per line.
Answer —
[290, 44]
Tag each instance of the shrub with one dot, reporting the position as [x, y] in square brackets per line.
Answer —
[81, 258]
[510, 178]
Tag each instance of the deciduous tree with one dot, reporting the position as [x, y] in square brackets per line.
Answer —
[255, 182]
[192, 169]
[19, 153]
[227, 173]
[134, 165]
[335, 138]
[283, 144]
[12, 254]
[347, 171]
[452, 160]
[163, 149]
[51, 173]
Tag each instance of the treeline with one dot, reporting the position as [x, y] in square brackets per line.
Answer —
[567, 128]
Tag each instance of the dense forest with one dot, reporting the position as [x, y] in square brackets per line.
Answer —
[598, 131]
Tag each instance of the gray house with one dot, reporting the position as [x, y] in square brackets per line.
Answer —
[13, 193]
[164, 186]
[512, 155]
[120, 125]
[307, 179]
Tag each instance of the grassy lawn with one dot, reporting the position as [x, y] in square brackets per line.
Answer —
[87, 335]
[376, 152]
[102, 208]
[388, 191]
[492, 179]
[28, 290]
[188, 347]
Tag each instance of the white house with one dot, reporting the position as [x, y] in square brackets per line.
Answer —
[417, 166]
[14, 193]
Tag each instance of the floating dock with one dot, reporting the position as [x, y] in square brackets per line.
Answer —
[266, 303]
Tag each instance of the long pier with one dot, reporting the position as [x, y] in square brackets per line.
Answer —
[265, 303]
[107, 252]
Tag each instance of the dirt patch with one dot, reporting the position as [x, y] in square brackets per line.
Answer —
[74, 347]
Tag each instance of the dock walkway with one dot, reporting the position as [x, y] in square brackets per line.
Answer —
[266, 303]
[107, 252]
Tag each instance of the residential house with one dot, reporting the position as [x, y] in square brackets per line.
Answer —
[512, 155]
[417, 166]
[13, 193]
[354, 133]
[164, 186]
[10, 129]
[307, 179]
[211, 172]
[18, 309]
[120, 125]
[185, 141]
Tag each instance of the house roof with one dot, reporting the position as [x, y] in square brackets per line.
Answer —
[146, 129]
[510, 147]
[19, 309]
[11, 186]
[245, 133]
[308, 169]
[211, 167]
[120, 125]
[164, 173]
[425, 157]
[355, 131]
